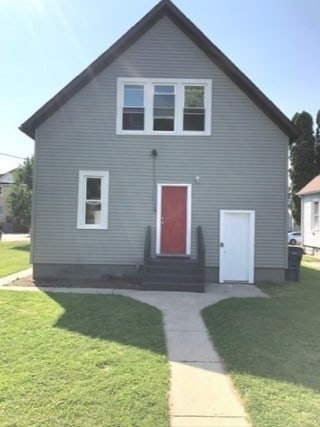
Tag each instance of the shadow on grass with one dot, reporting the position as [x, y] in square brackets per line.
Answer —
[276, 338]
[25, 248]
[112, 317]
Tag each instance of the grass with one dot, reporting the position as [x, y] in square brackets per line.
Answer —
[14, 257]
[271, 348]
[81, 360]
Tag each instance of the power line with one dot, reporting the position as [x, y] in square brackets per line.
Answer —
[11, 155]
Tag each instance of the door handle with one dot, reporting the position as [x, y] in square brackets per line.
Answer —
[221, 245]
[162, 220]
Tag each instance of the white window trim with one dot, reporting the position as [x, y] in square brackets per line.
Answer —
[313, 214]
[83, 175]
[179, 106]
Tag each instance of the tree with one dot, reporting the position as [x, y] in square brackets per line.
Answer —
[303, 160]
[317, 146]
[20, 195]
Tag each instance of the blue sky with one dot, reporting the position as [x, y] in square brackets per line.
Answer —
[46, 43]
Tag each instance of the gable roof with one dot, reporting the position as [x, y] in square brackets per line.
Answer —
[312, 187]
[163, 8]
[7, 177]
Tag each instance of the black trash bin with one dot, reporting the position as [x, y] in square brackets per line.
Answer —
[294, 260]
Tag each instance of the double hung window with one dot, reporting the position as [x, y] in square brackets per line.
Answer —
[315, 215]
[133, 107]
[194, 108]
[164, 106]
[93, 199]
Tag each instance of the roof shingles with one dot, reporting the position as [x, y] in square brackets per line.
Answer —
[312, 187]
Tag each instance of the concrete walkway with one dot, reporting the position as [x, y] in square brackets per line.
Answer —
[201, 394]
[15, 237]
[20, 275]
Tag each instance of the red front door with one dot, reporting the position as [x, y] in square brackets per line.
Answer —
[173, 220]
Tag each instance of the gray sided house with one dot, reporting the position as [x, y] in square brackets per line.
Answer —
[161, 154]
[310, 215]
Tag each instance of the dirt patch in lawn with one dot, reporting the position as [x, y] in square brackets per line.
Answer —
[109, 282]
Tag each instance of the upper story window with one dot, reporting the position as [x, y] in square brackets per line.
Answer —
[164, 106]
[315, 215]
[194, 108]
[93, 199]
[133, 107]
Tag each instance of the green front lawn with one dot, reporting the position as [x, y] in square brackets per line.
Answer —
[271, 347]
[81, 360]
[14, 257]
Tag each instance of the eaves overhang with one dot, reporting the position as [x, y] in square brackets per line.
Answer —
[163, 8]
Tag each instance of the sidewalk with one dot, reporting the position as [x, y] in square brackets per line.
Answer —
[201, 394]
[8, 279]
[14, 237]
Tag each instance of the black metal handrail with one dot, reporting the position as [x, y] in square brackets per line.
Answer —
[147, 248]
[201, 252]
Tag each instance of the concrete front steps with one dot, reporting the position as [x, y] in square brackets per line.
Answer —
[173, 274]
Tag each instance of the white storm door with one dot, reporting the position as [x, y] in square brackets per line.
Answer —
[236, 246]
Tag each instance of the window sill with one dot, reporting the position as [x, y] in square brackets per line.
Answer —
[163, 133]
[92, 227]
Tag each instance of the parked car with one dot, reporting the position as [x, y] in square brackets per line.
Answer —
[294, 238]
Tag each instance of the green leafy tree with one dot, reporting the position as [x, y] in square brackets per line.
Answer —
[20, 195]
[317, 147]
[302, 158]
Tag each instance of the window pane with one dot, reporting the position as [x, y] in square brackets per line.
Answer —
[93, 189]
[162, 101]
[93, 213]
[163, 124]
[133, 96]
[133, 119]
[194, 96]
[163, 89]
[193, 122]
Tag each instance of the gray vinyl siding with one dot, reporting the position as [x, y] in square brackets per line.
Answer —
[242, 165]
[310, 236]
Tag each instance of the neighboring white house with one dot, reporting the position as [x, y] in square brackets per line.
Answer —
[6, 181]
[310, 212]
